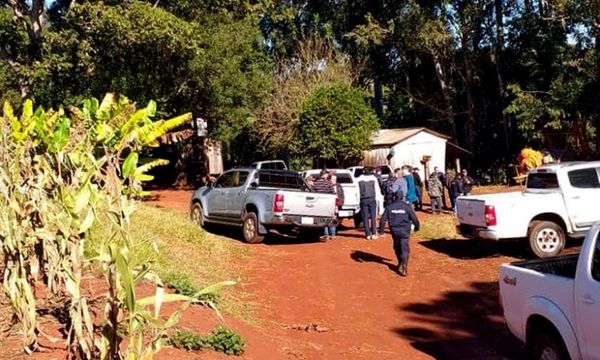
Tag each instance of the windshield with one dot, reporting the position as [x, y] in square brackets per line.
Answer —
[542, 181]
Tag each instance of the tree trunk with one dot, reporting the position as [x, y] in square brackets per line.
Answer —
[446, 93]
[499, 48]
[378, 92]
[527, 6]
[471, 120]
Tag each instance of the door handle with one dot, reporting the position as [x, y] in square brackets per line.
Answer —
[588, 299]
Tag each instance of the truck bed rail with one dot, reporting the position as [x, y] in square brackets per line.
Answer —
[564, 266]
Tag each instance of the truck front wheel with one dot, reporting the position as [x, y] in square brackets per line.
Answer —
[548, 346]
[197, 214]
[250, 229]
[546, 238]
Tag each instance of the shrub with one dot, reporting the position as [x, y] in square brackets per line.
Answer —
[221, 339]
[183, 285]
[336, 123]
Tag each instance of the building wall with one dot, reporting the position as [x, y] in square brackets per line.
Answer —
[411, 152]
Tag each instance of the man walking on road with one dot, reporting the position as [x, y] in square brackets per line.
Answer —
[368, 187]
[400, 216]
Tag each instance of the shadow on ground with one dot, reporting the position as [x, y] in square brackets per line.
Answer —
[362, 256]
[472, 249]
[464, 325]
[235, 233]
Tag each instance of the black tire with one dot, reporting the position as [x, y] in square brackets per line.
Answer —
[548, 345]
[197, 215]
[250, 229]
[546, 238]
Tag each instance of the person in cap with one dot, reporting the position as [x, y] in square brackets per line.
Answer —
[401, 217]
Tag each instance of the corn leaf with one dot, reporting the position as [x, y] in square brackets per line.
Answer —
[130, 164]
[215, 288]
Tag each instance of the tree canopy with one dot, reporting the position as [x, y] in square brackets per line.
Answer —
[495, 75]
[336, 123]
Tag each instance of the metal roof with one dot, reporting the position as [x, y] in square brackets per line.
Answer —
[393, 136]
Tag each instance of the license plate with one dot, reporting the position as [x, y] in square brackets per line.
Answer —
[307, 221]
[345, 213]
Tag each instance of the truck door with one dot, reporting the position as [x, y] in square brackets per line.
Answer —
[587, 306]
[583, 197]
[236, 195]
[216, 198]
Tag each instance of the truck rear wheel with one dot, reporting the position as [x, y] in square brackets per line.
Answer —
[546, 238]
[548, 346]
[250, 229]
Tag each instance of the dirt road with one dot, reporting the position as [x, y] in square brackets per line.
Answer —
[341, 300]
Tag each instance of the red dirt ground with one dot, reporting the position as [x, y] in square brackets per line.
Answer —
[341, 300]
[447, 308]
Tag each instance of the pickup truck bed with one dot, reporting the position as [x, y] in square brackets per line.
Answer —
[564, 266]
[553, 305]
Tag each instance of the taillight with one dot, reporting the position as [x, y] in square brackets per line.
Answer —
[278, 203]
[490, 215]
[338, 202]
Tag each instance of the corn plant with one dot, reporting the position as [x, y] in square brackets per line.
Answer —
[56, 174]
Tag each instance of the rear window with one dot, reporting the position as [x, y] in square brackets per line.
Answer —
[344, 178]
[287, 181]
[584, 179]
[542, 181]
[276, 165]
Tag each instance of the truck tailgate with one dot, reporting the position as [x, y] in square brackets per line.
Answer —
[471, 211]
[309, 204]
[351, 198]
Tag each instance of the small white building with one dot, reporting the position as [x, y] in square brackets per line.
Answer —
[418, 147]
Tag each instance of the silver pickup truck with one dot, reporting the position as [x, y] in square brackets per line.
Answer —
[260, 201]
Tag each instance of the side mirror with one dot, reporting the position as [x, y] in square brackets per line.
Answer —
[254, 184]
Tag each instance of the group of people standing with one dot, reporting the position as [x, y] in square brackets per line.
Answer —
[403, 193]
[456, 185]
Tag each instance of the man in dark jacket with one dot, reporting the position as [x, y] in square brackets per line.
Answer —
[368, 186]
[401, 217]
[419, 188]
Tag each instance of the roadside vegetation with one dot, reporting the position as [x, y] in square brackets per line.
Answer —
[185, 256]
[62, 172]
[438, 227]
[221, 339]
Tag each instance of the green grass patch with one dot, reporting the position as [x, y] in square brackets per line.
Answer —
[438, 227]
[185, 257]
[221, 339]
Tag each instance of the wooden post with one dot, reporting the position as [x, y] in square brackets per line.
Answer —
[425, 162]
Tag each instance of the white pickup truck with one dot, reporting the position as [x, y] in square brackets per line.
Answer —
[559, 200]
[553, 305]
